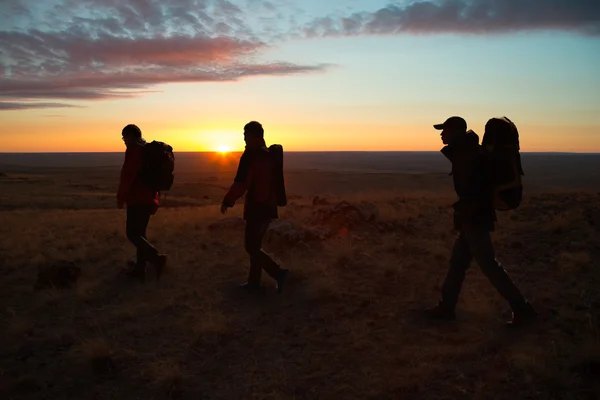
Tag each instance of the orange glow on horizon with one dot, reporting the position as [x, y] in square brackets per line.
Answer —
[225, 138]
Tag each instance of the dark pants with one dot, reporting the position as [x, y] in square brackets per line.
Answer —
[256, 228]
[476, 243]
[138, 217]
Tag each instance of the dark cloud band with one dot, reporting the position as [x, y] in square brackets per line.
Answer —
[26, 106]
[466, 16]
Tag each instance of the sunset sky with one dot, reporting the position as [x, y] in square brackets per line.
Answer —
[319, 75]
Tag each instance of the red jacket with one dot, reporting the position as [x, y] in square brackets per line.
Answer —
[255, 178]
[131, 189]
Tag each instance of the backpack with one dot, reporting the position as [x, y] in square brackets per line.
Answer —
[276, 152]
[159, 164]
[502, 158]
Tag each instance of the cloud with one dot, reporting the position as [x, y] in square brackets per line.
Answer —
[465, 17]
[26, 106]
[108, 49]
[62, 51]
[105, 85]
[59, 51]
[226, 7]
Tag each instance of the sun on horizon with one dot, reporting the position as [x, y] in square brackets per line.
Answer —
[223, 149]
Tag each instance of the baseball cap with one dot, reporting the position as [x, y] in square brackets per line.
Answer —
[455, 122]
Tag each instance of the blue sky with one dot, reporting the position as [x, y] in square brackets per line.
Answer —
[317, 72]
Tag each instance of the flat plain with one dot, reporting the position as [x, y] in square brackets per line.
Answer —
[367, 237]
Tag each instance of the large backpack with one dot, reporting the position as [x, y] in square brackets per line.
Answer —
[159, 164]
[502, 157]
[276, 152]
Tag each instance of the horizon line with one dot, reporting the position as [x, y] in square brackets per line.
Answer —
[288, 151]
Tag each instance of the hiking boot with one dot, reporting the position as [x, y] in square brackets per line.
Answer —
[281, 279]
[252, 287]
[522, 316]
[161, 263]
[440, 313]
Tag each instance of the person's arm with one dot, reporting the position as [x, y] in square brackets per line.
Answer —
[129, 172]
[241, 182]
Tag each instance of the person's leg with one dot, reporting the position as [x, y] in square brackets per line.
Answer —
[152, 255]
[138, 217]
[135, 229]
[259, 260]
[481, 245]
[460, 260]
[480, 242]
[252, 245]
[266, 262]
[142, 252]
[264, 259]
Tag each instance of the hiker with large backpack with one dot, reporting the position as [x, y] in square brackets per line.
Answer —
[486, 178]
[260, 177]
[146, 170]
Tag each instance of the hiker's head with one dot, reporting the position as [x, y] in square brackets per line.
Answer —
[254, 134]
[253, 130]
[131, 133]
[452, 128]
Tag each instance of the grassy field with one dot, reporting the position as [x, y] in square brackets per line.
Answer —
[348, 325]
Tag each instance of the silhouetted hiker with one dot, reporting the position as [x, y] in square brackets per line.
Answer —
[259, 175]
[474, 218]
[141, 201]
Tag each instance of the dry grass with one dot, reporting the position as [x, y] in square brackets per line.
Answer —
[99, 354]
[347, 326]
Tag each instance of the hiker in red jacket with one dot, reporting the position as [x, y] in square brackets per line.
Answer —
[141, 201]
[256, 177]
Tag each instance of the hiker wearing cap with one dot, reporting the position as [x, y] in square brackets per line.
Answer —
[141, 202]
[474, 219]
[259, 176]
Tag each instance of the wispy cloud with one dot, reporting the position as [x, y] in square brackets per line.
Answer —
[465, 16]
[91, 50]
[26, 106]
